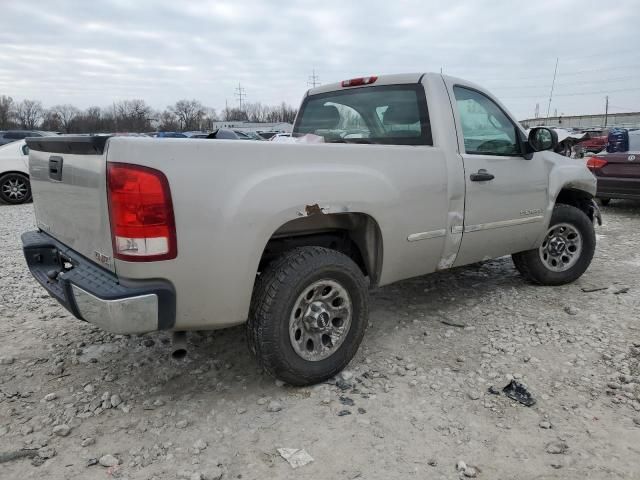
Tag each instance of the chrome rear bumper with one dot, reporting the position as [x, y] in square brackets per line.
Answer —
[96, 295]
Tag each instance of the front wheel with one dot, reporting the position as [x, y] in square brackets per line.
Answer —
[566, 251]
[308, 315]
[15, 188]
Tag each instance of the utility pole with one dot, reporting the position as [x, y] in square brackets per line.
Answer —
[606, 109]
[552, 85]
[537, 114]
[240, 94]
[314, 80]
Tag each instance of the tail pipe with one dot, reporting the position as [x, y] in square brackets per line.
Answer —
[179, 351]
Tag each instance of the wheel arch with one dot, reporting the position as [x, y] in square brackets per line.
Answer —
[578, 198]
[355, 234]
[19, 172]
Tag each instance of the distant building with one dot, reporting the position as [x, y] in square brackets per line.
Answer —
[280, 127]
[628, 120]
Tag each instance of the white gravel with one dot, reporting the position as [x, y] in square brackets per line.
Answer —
[414, 403]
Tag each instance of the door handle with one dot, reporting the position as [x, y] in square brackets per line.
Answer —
[481, 176]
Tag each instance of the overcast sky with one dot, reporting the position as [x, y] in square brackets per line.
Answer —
[94, 52]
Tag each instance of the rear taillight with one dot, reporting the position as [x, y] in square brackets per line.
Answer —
[358, 82]
[596, 163]
[141, 213]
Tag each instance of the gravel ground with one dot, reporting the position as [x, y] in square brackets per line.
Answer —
[415, 402]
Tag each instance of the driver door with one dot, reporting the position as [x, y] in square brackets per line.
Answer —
[506, 194]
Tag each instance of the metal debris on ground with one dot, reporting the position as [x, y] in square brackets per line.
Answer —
[493, 390]
[451, 323]
[296, 457]
[518, 392]
[593, 289]
[347, 401]
[25, 453]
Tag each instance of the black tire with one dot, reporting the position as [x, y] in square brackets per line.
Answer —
[12, 180]
[531, 266]
[276, 292]
[605, 201]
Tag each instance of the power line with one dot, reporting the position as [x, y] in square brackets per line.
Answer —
[240, 95]
[625, 108]
[314, 80]
[570, 74]
[587, 82]
[580, 94]
[555, 72]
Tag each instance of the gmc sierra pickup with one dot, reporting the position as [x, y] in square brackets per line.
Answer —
[414, 173]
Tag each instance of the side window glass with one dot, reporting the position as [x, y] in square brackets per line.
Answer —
[485, 128]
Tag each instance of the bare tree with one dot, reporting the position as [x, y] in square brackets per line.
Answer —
[29, 113]
[51, 121]
[6, 111]
[168, 121]
[189, 113]
[66, 115]
[132, 116]
[209, 117]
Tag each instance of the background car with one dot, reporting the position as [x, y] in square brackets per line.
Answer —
[596, 141]
[249, 135]
[168, 135]
[15, 135]
[267, 135]
[279, 136]
[224, 134]
[14, 173]
[618, 172]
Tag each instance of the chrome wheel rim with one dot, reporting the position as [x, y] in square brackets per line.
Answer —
[320, 320]
[14, 188]
[561, 248]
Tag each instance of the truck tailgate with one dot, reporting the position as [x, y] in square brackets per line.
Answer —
[68, 180]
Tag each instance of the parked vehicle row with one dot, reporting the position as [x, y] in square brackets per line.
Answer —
[618, 172]
[14, 173]
[417, 173]
[15, 135]
[15, 186]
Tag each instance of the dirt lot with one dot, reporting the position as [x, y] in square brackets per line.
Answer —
[413, 403]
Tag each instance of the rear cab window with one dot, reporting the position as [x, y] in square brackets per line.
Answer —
[387, 114]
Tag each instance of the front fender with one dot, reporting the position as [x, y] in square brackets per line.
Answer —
[566, 174]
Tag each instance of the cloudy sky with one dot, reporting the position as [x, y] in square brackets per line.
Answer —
[94, 52]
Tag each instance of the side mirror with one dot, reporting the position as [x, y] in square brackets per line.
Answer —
[542, 138]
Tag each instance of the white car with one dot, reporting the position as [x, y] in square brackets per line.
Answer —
[14, 173]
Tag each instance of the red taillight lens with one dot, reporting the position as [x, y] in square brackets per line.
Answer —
[358, 82]
[141, 213]
[595, 163]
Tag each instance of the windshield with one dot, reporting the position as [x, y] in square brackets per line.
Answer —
[391, 115]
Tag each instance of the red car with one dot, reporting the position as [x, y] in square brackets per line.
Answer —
[618, 173]
[594, 144]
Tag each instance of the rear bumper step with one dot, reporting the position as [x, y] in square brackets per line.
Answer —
[96, 295]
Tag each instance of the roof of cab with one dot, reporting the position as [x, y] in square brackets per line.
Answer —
[395, 79]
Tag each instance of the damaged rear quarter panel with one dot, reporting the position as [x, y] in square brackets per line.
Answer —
[243, 192]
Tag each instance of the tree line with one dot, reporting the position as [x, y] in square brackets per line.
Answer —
[132, 116]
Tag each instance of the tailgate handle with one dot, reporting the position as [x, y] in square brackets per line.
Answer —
[55, 168]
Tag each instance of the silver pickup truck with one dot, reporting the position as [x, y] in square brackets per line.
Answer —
[390, 177]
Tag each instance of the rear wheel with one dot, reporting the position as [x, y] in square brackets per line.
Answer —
[15, 188]
[308, 315]
[566, 251]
